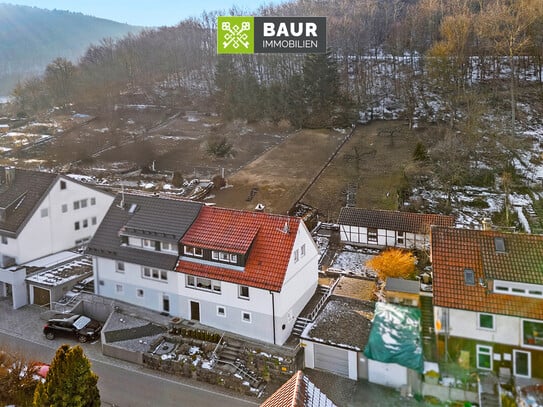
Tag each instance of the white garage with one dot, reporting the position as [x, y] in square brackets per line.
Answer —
[332, 359]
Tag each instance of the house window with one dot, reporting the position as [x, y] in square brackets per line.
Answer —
[85, 223]
[64, 208]
[246, 317]
[44, 212]
[76, 225]
[93, 201]
[532, 333]
[148, 244]
[302, 250]
[522, 363]
[169, 247]
[84, 203]
[372, 235]
[243, 292]
[93, 220]
[120, 267]
[165, 303]
[400, 238]
[76, 205]
[204, 284]
[4, 240]
[193, 251]
[296, 256]
[485, 321]
[62, 184]
[224, 256]
[221, 311]
[119, 288]
[215, 255]
[484, 357]
[499, 244]
[469, 277]
[139, 293]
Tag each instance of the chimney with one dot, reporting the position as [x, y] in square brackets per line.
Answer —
[487, 224]
[7, 175]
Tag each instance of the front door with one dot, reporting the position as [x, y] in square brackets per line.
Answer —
[195, 310]
[522, 363]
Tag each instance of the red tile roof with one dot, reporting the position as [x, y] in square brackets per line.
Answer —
[238, 231]
[393, 220]
[454, 250]
[298, 391]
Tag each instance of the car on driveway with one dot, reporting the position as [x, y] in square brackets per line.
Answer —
[81, 327]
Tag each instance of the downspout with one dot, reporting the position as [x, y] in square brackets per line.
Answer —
[273, 316]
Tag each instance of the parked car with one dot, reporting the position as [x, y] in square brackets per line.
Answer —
[79, 326]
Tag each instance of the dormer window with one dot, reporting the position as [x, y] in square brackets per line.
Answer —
[469, 277]
[499, 244]
[224, 257]
[193, 251]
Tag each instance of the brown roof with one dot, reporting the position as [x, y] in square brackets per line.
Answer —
[455, 250]
[236, 231]
[298, 391]
[393, 220]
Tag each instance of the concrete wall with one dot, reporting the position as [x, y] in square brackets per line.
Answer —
[449, 393]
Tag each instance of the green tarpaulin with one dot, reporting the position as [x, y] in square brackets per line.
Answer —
[395, 336]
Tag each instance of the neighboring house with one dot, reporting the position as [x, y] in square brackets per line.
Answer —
[135, 250]
[298, 391]
[381, 228]
[488, 299]
[403, 292]
[40, 214]
[250, 273]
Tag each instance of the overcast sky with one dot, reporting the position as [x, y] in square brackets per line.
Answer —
[150, 13]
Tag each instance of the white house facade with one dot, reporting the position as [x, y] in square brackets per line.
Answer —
[248, 273]
[41, 214]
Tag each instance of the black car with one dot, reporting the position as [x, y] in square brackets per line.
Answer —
[80, 326]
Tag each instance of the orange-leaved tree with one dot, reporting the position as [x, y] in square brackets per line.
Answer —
[393, 263]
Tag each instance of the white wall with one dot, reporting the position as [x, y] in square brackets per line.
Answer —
[56, 232]
[387, 374]
[508, 330]
[385, 237]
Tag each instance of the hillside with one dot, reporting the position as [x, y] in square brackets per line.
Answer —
[31, 37]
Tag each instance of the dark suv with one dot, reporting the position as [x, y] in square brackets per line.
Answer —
[79, 326]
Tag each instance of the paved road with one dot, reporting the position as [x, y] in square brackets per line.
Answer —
[121, 383]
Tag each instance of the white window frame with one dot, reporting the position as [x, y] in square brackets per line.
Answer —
[215, 255]
[193, 251]
[374, 232]
[197, 283]
[523, 342]
[515, 351]
[246, 320]
[168, 247]
[296, 256]
[302, 250]
[120, 266]
[84, 203]
[240, 295]
[93, 201]
[94, 221]
[148, 244]
[484, 350]
[223, 313]
[76, 205]
[77, 225]
[479, 315]
[85, 223]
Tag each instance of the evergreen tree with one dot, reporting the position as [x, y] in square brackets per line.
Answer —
[70, 381]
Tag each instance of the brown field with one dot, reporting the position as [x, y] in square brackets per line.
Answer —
[282, 173]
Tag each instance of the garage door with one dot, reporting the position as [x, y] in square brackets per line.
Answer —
[332, 359]
[41, 296]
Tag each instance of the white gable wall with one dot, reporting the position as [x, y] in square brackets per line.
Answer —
[56, 231]
[508, 330]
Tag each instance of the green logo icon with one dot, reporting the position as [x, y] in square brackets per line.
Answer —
[235, 35]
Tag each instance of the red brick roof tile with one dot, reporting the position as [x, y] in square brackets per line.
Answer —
[262, 235]
[298, 391]
[454, 250]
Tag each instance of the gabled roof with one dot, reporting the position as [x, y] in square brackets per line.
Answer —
[298, 391]
[454, 250]
[393, 220]
[148, 216]
[21, 195]
[271, 245]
